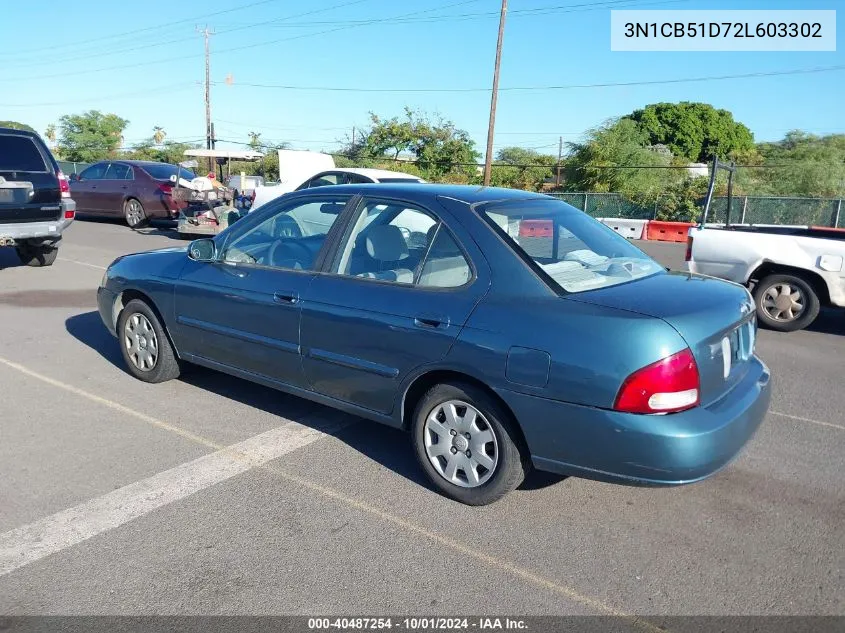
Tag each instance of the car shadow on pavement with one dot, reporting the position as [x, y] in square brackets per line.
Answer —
[88, 329]
[9, 258]
[389, 447]
[829, 321]
[164, 228]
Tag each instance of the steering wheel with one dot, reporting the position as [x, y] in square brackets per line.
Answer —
[289, 250]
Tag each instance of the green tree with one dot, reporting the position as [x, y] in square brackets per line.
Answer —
[801, 164]
[17, 126]
[694, 131]
[510, 168]
[90, 136]
[159, 135]
[441, 150]
[166, 152]
[603, 163]
[255, 141]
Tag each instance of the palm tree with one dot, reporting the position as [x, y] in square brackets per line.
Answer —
[50, 133]
[159, 135]
[255, 140]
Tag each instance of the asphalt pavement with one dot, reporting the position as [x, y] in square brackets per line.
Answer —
[211, 495]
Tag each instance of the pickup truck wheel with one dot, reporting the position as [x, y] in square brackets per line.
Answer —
[466, 444]
[144, 344]
[786, 303]
[41, 255]
[134, 212]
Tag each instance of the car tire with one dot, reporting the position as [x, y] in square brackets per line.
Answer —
[501, 471]
[771, 296]
[134, 214]
[41, 255]
[144, 344]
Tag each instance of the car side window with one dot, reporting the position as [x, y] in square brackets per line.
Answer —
[357, 179]
[396, 242]
[118, 172]
[289, 238]
[325, 180]
[94, 172]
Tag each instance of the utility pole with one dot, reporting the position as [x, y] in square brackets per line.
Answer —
[209, 127]
[353, 138]
[488, 160]
[559, 159]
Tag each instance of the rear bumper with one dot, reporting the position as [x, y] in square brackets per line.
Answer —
[644, 450]
[48, 230]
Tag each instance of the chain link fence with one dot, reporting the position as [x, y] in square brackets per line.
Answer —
[70, 167]
[744, 209]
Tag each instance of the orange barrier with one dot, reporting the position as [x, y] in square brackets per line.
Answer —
[536, 228]
[667, 231]
[827, 228]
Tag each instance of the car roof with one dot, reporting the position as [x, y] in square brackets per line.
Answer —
[138, 163]
[376, 174]
[470, 194]
[16, 132]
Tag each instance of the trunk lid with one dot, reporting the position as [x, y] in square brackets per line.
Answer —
[715, 318]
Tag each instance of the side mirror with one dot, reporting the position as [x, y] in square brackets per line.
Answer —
[173, 178]
[204, 250]
[73, 177]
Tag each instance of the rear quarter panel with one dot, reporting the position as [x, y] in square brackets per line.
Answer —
[590, 349]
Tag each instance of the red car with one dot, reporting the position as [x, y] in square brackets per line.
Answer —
[135, 190]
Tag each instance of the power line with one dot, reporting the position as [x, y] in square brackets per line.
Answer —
[776, 73]
[156, 27]
[146, 46]
[146, 93]
[587, 6]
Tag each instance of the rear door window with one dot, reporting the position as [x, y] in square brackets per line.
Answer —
[94, 172]
[118, 172]
[20, 153]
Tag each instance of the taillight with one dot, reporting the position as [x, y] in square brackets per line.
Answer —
[64, 185]
[667, 386]
[688, 256]
[167, 190]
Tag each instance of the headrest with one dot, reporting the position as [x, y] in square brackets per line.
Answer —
[386, 243]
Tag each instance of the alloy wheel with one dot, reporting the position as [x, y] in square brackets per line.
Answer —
[783, 302]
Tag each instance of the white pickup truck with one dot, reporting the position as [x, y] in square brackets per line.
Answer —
[792, 271]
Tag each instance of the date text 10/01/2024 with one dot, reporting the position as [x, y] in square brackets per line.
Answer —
[723, 29]
[416, 624]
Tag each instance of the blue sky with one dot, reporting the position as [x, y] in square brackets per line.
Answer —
[146, 65]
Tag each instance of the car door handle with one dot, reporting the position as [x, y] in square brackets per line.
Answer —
[286, 298]
[432, 322]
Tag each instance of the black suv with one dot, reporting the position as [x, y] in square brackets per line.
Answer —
[35, 203]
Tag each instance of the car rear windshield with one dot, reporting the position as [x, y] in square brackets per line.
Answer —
[20, 153]
[165, 171]
[570, 250]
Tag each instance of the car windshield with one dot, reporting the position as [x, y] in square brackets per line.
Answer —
[571, 250]
[165, 171]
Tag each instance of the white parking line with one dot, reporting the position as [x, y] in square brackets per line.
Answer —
[52, 534]
[76, 261]
[798, 418]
